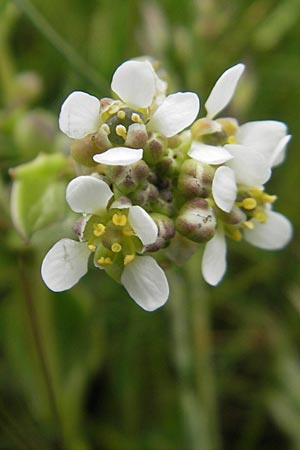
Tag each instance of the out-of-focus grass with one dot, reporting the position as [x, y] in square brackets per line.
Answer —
[105, 376]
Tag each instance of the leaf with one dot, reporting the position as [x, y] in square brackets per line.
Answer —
[38, 193]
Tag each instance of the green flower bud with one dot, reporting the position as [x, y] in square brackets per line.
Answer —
[154, 149]
[28, 86]
[146, 195]
[164, 207]
[128, 178]
[195, 179]
[196, 220]
[167, 165]
[166, 231]
[136, 136]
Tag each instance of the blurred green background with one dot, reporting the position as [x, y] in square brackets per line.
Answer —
[216, 368]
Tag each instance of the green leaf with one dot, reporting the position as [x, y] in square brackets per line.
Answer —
[38, 193]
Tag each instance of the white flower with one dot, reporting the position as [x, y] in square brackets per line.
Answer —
[258, 146]
[67, 261]
[272, 234]
[139, 88]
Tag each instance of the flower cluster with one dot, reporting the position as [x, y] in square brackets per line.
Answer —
[155, 183]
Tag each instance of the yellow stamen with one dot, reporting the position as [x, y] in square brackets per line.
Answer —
[121, 131]
[99, 229]
[136, 118]
[269, 198]
[249, 203]
[113, 109]
[248, 224]
[105, 128]
[119, 219]
[260, 216]
[232, 140]
[121, 115]
[116, 247]
[235, 234]
[104, 261]
[127, 231]
[128, 259]
[92, 248]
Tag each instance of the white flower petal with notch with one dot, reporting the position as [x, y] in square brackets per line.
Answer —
[223, 90]
[142, 224]
[175, 113]
[146, 283]
[209, 154]
[214, 259]
[64, 265]
[88, 194]
[119, 156]
[224, 188]
[134, 83]
[274, 234]
[79, 115]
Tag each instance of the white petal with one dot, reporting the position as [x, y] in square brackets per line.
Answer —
[64, 265]
[79, 115]
[264, 136]
[209, 154]
[143, 225]
[88, 194]
[249, 165]
[175, 113]
[274, 234]
[223, 90]
[146, 283]
[119, 156]
[134, 83]
[214, 259]
[280, 151]
[224, 188]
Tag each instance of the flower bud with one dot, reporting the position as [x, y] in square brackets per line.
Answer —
[27, 88]
[164, 207]
[146, 195]
[128, 178]
[166, 231]
[196, 220]
[195, 179]
[154, 149]
[136, 136]
[167, 165]
[83, 150]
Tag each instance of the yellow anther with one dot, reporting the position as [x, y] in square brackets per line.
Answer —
[248, 224]
[116, 247]
[121, 115]
[92, 248]
[231, 140]
[121, 131]
[128, 231]
[269, 198]
[104, 261]
[113, 109]
[235, 234]
[255, 192]
[105, 128]
[128, 259]
[99, 229]
[260, 216]
[136, 118]
[249, 203]
[119, 219]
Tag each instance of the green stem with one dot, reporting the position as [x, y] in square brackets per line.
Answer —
[7, 20]
[192, 352]
[37, 338]
[75, 60]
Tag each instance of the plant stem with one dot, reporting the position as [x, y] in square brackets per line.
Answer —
[192, 353]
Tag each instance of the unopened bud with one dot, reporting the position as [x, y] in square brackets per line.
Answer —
[136, 136]
[154, 149]
[145, 195]
[27, 88]
[195, 179]
[166, 231]
[164, 207]
[128, 178]
[196, 220]
[83, 150]
[167, 165]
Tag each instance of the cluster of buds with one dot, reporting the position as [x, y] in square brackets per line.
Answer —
[154, 183]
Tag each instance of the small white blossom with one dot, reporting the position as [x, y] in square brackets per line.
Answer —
[67, 261]
[138, 87]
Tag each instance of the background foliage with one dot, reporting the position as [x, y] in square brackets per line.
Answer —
[87, 369]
